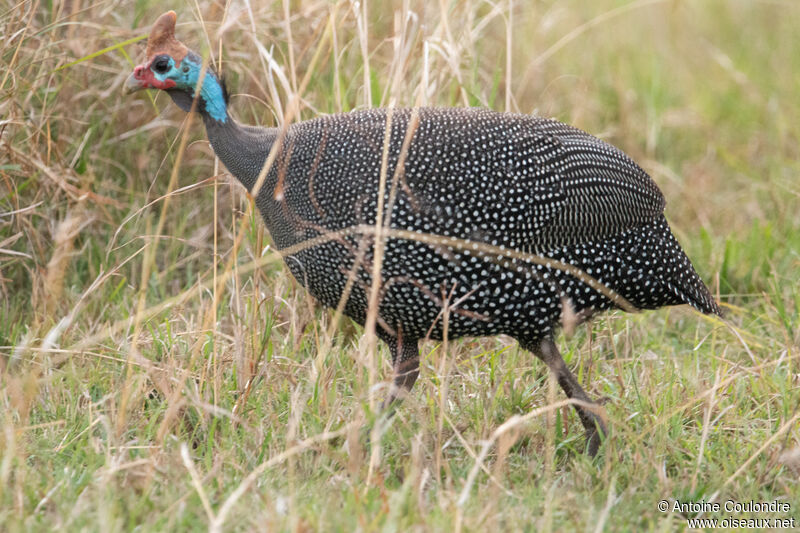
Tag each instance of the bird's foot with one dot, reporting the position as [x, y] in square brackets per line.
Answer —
[596, 433]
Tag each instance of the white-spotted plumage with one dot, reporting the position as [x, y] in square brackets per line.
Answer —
[512, 181]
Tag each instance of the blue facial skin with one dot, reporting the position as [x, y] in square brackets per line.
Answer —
[185, 77]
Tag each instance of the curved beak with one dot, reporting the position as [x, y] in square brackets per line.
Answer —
[136, 81]
[132, 84]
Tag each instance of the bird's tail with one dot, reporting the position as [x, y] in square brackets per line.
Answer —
[698, 296]
[683, 281]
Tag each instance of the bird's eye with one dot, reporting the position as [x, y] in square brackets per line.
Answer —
[161, 65]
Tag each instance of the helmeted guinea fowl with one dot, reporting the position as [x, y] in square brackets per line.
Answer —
[508, 220]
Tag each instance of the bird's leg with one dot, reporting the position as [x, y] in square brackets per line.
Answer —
[546, 350]
[405, 360]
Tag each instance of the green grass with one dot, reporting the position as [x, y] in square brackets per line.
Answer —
[135, 394]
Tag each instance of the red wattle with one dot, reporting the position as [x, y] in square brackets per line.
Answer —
[148, 79]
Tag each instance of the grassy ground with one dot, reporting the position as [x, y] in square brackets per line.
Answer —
[160, 369]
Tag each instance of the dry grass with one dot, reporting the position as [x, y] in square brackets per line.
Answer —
[159, 368]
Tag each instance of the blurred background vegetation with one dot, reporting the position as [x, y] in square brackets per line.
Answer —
[133, 323]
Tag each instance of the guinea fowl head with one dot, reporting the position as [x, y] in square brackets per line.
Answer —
[172, 67]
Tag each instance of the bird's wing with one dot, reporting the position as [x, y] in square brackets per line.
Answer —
[573, 188]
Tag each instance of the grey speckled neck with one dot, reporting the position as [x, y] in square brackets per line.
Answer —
[242, 149]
